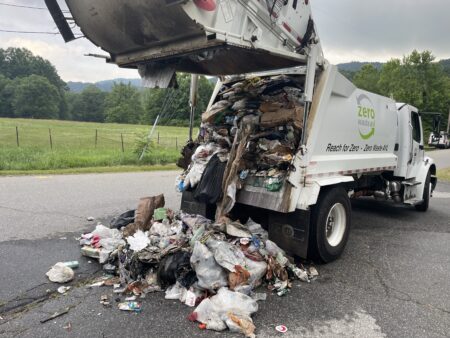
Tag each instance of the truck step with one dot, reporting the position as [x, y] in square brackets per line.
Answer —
[411, 183]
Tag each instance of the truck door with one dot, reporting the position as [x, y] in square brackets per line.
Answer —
[416, 149]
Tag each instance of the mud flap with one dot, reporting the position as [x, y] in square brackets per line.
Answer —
[291, 231]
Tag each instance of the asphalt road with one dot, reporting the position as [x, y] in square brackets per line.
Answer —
[392, 280]
[441, 157]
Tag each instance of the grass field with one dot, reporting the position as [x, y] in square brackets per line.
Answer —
[74, 145]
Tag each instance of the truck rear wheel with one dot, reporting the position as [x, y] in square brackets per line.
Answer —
[330, 224]
[423, 206]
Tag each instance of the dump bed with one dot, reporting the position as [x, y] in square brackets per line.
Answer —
[212, 37]
[350, 132]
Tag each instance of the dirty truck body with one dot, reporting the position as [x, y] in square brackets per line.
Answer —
[354, 143]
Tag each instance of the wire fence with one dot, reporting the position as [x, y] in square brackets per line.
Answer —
[76, 139]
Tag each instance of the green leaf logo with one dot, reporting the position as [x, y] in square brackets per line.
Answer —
[366, 117]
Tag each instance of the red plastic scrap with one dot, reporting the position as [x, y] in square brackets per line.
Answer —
[193, 317]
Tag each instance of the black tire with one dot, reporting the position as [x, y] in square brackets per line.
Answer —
[320, 247]
[423, 206]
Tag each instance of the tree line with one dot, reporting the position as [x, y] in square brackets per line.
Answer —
[416, 79]
[30, 87]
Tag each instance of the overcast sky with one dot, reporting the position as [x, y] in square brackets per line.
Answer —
[351, 30]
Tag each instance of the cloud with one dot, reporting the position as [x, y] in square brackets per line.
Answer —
[383, 29]
[69, 59]
[349, 30]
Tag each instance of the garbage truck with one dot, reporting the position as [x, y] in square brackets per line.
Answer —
[347, 143]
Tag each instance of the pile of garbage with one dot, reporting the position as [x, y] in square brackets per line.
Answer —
[249, 136]
[214, 266]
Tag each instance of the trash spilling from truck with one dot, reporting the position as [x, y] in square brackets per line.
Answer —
[248, 138]
[215, 267]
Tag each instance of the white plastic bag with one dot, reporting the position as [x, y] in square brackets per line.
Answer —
[138, 241]
[256, 229]
[210, 275]
[273, 249]
[257, 271]
[216, 311]
[175, 292]
[229, 301]
[60, 273]
[111, 244]
[105, 232]
[206, 313]
[228, 256]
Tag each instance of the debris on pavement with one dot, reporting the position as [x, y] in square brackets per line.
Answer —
[68, 327]
[214, 267]
[248, 139]
[56, 315]
[72, 264]
[281, 328]
[104, 300]
[130, 306]
[60, 273]
[90, 219]
[63, 289]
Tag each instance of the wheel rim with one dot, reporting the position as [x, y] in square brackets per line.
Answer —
[336, 224]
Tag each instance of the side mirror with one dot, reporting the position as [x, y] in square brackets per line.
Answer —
[421, 147]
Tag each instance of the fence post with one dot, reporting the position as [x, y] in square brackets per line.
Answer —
[96, 138]
[123, 148]
[176, 143]
[17, 136]
[50, 136]
[158, 137]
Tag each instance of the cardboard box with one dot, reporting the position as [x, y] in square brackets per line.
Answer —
[281, 116]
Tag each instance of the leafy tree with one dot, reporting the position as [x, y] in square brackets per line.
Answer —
[446, 66]
[21, 63]
[176, 101]
[6, 97]
[367, 78]
[123, 104]
[36, 97]
[416, 79]
[89, 105]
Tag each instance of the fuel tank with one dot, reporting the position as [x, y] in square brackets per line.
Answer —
[211, 37]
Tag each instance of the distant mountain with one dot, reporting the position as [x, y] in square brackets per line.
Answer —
[355, 66]
[348, 69]
[105, 85]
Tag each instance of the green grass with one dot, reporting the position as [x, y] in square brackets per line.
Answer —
[91, 170]
[444, 175]
[74, 146]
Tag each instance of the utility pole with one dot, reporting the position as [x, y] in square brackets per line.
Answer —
[448, 122]
[192, 103]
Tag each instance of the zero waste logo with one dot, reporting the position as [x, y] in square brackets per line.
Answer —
[366, 117]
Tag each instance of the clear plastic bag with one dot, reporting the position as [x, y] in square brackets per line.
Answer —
[211, 276]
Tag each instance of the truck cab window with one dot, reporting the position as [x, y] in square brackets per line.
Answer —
[415, 122]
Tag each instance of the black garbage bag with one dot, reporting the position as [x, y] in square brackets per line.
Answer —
[176, 267]
[122, 220]
[209, 189]
[186, 155]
